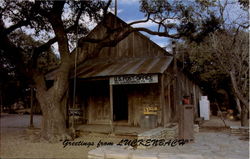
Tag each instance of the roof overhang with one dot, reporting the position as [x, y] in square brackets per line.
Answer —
[116, 67]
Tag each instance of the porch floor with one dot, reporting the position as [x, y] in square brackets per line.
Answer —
[106, 129]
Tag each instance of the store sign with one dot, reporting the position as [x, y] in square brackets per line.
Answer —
[150, 110]
[75, 112]
[133, 79]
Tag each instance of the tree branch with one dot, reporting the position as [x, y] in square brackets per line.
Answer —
[140, 21]
[44, 47]
[56, 21]
[163, 34]
[105, 9]
[38, 50]
[23, 22]
[15, 26]
[126, 31]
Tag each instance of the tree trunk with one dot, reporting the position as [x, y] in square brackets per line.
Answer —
[243, 101]
[237, 92]
[52, 105]
[54, 120]
[238, 105]
[244, 117]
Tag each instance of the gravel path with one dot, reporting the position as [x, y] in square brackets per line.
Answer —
[213, 144]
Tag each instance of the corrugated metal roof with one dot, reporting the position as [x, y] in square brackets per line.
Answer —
[113, 67]
[128, 66]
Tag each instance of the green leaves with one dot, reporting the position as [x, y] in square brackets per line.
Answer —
[194, 20]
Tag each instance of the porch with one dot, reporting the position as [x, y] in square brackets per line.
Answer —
[120, 130]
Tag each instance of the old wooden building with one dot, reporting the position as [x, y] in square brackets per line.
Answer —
[125, 83]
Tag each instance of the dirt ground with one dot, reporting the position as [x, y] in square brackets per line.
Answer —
[15, 143]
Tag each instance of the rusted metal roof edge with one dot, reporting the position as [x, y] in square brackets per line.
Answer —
[129, 67]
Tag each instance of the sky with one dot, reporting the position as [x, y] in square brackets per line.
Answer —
[129, 11]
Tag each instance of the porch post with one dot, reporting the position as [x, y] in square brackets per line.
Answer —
[31, 106]
[194, 102]
[111, 107]
[164, 113]
[175, 83]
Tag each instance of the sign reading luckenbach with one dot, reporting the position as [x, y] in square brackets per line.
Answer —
[133, 79]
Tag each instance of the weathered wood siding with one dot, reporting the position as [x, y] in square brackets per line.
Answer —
[139, 97]
[134, 45]
[188, 87]
[93, 98]
[184, 86]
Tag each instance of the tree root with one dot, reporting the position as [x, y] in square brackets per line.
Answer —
[54, 138]
[40, 136]
[59, 138]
